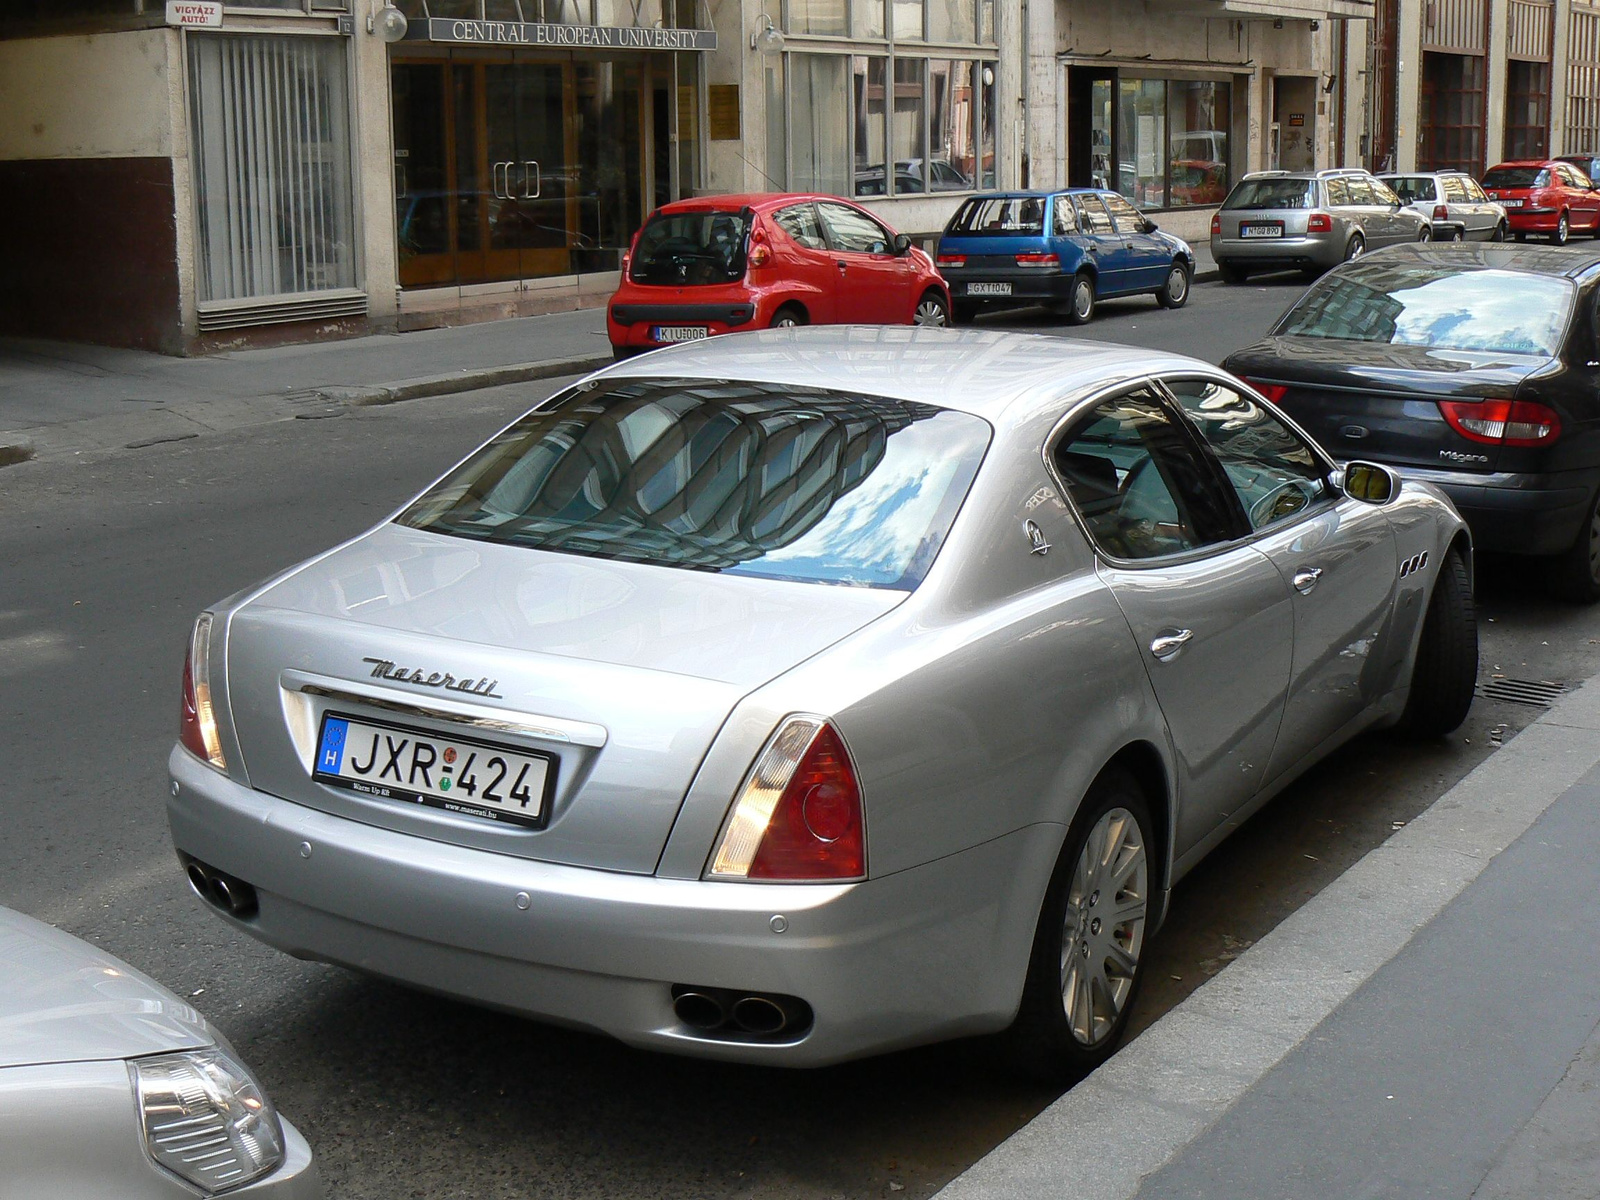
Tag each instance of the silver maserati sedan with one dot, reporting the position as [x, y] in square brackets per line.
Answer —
[113, 1087]
[809, 693]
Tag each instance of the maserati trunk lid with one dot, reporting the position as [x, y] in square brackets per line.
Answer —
[571, 698]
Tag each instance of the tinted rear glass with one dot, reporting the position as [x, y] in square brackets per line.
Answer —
[749, 478]
[1273, 193]
[1002, 216]
[1411, 187]
[1517, 177]
[691, 248]
[1404, 304]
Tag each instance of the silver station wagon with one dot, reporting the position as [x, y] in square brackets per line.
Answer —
[809, 693]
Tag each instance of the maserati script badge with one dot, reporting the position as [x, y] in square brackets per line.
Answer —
[382, 668]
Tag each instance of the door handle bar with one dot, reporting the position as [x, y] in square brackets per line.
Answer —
[1306, 578]
[1167, 646]
[538, 181]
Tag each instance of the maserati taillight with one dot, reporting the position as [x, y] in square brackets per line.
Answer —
[197, 724]
[798, 818]
[1503, 422]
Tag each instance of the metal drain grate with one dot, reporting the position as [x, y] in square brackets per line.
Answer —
[1540, 694]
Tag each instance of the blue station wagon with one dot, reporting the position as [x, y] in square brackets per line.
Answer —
[1066, 250]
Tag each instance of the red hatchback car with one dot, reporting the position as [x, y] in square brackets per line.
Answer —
[1545, 197]
[717, 264]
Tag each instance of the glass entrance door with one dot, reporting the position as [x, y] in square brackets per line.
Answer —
[485, 171]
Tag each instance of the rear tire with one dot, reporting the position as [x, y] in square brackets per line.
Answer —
[1574, 574]
[1501, 233]
[790, 316]
[1446, 669]
[1080, 300]
[1355, 248]
[1088, 947]
[1425, 234]
[1174, 292]
[1458, 234]
[1562, 233]
[619, 353]
[1232, 272]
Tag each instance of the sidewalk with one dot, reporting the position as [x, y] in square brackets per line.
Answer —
[1428, 1026]
[59, 398]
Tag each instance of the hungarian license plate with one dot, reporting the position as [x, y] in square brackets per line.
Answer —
[988, 289]
[1260, 230]
[459, 775]
[679, 333]
[1512, 203]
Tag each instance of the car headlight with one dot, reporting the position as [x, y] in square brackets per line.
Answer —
[206, 1120]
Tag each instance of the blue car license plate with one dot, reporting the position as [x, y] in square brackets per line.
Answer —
[460, 775]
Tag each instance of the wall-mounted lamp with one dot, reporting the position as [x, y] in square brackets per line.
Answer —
[768, 39]
[387, 22]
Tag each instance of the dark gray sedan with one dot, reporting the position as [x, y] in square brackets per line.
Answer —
[808, 693]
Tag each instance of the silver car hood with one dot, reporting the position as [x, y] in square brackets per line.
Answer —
[629, 669]
[61, 1000]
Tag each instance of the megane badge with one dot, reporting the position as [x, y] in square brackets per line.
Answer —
[382, 668]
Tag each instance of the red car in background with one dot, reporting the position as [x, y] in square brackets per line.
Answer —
[1545, 197]
[717, 264]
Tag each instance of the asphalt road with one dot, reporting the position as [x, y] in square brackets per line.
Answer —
[103, 563]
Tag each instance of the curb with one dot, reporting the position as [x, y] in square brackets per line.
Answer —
[461, 381]
[1164, 1090]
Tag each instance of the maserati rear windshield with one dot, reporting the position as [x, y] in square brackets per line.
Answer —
[1415, 304]
[686, 249]
[749, 478]
[1000, 216]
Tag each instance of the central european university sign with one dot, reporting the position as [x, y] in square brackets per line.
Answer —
[544, 33]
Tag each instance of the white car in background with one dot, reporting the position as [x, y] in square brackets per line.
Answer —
[1459, 210]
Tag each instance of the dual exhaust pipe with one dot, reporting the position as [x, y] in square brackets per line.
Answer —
[740, 1015]
[219, 889]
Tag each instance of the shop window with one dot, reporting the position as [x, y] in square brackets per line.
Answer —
[908, 20]
[1197, 142]
[826, 17]
[1142, 141]
[819, 122]
[952, 125]
[868, 113]
[1527, 110]
[271, 150]
[1162, 143]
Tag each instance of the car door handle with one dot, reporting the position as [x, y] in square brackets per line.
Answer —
[1169, 643]
[1305, 579]
[842, 265]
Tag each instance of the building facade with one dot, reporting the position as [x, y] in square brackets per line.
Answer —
[1464, 84]
[298, 169]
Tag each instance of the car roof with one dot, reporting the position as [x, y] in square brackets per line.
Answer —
[1571, 262]
[734, 202]
[1525, 162]
[999, 375]
[1040, 193]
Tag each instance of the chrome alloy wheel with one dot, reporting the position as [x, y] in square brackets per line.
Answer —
[930, 313]
[1107, 906]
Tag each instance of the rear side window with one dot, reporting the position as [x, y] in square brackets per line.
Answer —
[1262, 194]
[1412, 188]
[1455, 190]
[1414, 304]
[1064, 218]
[805, 484]
[691, 248]
[1382, 193]
[1339, 193]
[800, 222]
[1138, 481]
[1003, 216]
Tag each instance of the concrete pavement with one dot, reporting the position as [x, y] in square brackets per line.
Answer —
[1427, 1026]
[61, 398]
